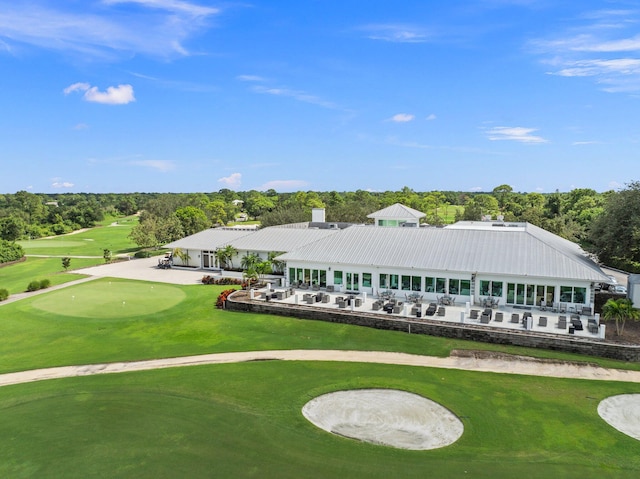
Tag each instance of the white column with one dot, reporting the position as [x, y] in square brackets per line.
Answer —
[601, 331]
[462, 316]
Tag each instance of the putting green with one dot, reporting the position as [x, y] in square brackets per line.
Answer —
[110, 299]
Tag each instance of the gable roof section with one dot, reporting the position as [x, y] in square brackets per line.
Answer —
[210, 239]
[397, 211]
[280, 239]
[521, 252]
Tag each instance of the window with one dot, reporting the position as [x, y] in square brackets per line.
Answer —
[366, 280]
[454, 286]
[465, 287]
[484, 288]
[292, 275]
[566, 294]
[393, 281]
[511, 293]
[337, 277]
[383, 281]
[406, 283]
[429, 285]
[579, 295]
[496, 288]
[441, 285]
[416, 283]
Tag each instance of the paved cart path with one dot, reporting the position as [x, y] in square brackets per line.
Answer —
[521, 365]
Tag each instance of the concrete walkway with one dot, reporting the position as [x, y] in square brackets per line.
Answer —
[502, 365]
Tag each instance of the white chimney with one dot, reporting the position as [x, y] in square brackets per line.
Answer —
[317, 215]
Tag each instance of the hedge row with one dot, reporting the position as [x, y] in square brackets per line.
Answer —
[10, 251]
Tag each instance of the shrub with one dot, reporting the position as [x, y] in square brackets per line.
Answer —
[4, 294]
[222, 297]
[142, 254]
[10, 251]
[206, 279]
[34, 285]
[45, 283]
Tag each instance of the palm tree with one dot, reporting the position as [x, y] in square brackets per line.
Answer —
[277, 265]
[263, 268]
[225, 256]
[620, 310]
[250, 261]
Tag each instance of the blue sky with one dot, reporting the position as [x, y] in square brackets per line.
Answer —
[185, 95]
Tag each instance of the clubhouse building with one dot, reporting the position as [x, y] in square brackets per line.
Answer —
[506, 263]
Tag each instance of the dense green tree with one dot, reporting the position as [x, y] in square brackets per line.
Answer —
[615, 234]
[12, 228]
[192, 219]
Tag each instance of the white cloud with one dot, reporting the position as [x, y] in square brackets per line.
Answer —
[431, 117]
[81, 126]
[296, 95]
[120, 95]
[396, 33]
[62, 184]
[160, 165]
[602, 45]
[520, 134]
[232, 181]
[102, 29]
[580, 143]
[283, 185]
[173, 6]
[402, 117]
[250, 78]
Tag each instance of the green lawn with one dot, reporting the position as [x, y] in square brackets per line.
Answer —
[88, 243]
[244, 420]
[16, 277]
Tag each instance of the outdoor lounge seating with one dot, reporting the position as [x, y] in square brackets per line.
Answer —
[592, 326]
[562, 322]
[485, 318]
[474, 314]
[542, 321]
[488, 312]
[431, 309]
[515, 318]
[499, 316]
[441, 311]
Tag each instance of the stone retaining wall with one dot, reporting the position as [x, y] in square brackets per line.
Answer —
[239, 301]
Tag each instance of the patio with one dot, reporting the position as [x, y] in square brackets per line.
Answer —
[535, 319]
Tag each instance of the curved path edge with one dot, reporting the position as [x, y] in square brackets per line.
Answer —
[504, 366]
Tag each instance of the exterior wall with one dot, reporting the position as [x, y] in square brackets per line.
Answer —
[462, 331]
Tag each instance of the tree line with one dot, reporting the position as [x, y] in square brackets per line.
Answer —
[606, 224]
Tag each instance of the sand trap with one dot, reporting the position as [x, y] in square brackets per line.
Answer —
[385, 416]
[623, 413]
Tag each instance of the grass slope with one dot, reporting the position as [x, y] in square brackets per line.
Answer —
[16, 277]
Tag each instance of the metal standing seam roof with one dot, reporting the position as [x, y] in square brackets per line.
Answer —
[396, 211]
[280, 239]
[210, 239]
[524, 252]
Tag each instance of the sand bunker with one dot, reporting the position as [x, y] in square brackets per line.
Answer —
[385, 416]
[623, 413]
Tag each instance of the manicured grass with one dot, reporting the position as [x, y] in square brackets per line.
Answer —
[245, 421]
[87, 243]
[33, 337]
[16, 277]
[111, 300]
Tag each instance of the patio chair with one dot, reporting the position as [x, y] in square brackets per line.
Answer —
[484, 319]
[474, 314]
[499, 317]
[441, 311]
[515, 318]
[542, 321]
[562, 308]
[562, 322]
